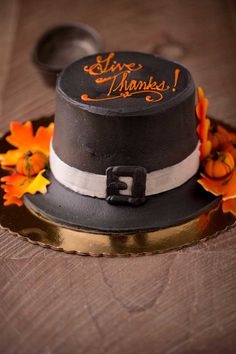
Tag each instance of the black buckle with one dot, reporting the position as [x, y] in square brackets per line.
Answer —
[114, 185]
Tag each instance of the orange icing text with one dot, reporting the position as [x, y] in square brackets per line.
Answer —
[121, 86]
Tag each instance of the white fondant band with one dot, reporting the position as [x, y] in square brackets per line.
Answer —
[94, 185]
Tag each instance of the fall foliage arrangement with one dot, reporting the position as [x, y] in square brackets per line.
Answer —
[217, 157]
[26, 163]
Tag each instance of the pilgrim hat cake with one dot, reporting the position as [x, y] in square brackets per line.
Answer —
[125, 152]
[126, 149]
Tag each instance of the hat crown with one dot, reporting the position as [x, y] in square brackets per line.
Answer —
[124, 108]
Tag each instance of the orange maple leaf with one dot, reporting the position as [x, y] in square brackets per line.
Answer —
[22, 137]
[15, 186]
[230, 136]
[224, 186]
[229, 206]
[9, 200]
[204, 124]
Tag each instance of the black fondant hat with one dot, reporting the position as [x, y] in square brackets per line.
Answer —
[125, 151]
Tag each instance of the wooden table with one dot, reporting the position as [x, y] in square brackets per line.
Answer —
[178, 302]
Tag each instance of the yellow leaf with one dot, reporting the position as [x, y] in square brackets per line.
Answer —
[39, 184]
[11, 157]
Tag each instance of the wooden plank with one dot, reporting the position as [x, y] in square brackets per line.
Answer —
[179, 302]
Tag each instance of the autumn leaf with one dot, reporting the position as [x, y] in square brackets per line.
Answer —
[226, 187]
[15, 186]
[230, 136]
[229, 206]
[38, 184]
[22, 137]
[202, 105]
[204, 124]
[9, 200]
[26, 143]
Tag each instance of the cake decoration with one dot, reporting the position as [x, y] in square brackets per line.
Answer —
[218, 163]
[204, 124]
[121, 86]
[27, 163]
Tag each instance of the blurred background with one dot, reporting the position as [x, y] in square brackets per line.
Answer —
[198, 34]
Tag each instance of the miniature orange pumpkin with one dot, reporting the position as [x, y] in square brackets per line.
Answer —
[219, 165]
[30, 164]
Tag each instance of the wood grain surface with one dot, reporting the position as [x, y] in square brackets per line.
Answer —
[179, 302]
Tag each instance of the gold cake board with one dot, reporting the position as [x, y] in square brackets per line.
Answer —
[23, 223]
[33, 228]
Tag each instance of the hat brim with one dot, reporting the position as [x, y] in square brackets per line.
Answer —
[164, 210]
